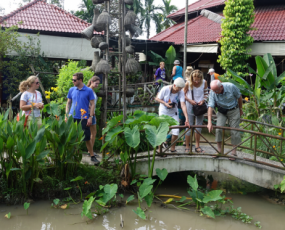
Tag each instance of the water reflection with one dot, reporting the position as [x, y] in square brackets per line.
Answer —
[46, 226]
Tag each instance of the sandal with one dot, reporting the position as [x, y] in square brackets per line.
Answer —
[174, 151]
[161, 155]
[187, 150]
[199, 150]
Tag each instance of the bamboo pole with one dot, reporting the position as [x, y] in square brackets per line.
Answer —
[124, 63]
[185, 37]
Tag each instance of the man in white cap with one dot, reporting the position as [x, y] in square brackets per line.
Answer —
[214, 76]
[168, 98]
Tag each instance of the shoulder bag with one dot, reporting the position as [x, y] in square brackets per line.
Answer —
[199, 110]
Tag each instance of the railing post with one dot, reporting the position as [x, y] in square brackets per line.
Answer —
[191, 139]
[251, 138]
[10, 108]
[281, 141]
[103, 152]
[255, 144]
[223, 142]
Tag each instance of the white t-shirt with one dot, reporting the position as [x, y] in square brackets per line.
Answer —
[198, 92]
[30, 98]
[166, 95]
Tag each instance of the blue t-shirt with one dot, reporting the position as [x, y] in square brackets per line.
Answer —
[80, 100]
[160, 74]
[178, 73]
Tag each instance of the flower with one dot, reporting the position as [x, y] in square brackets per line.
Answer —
[100, 138]
[47, 97]
[274, 146]
[246, 99]
[52, 88]
[280, 129]
[119, 121]
[82, 112]
[279, 134]
[281, 159]
[55, 89]
[86, 182]
[107, 153]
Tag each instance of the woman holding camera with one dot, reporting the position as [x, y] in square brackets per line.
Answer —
[168, 98]
[195, 87]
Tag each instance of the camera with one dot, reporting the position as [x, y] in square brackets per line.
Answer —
[172, 104]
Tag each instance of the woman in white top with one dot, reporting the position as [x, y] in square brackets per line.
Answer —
[199, 86]
[168, 98]
[93, 83]
[31, 101]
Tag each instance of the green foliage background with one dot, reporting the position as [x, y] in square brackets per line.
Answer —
[239, 16]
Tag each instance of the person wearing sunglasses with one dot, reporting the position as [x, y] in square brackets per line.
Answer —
[78, 100]
[31, 101]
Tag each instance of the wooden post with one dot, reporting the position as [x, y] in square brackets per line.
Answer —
[124, 63]
[281, 142]
[191, 139]
[120, 51]
[223, 142]
[185, 38]
[251, 138]
[255, 145]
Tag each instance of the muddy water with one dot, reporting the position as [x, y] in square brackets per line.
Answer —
[42, 217]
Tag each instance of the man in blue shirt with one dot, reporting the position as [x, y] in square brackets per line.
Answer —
[79, 97]
[227, 97]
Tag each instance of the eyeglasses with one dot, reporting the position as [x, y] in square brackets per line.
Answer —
[74, 80]
[37, 83]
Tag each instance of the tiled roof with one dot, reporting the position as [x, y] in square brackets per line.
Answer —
[199, 5]
[41, 16]
[269, 23]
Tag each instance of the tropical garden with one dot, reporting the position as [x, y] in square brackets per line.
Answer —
[47, 162]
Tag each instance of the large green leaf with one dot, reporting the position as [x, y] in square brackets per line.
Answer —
[140, 213]
[192, 182]
[149, 199]
[163, 118]
[239, 79]
[10, 143]
[213, 196]
[262, 67]
[132, 136]
[269, 60]
[170, 55]
[30, 150]
[149, 181]
[161, 173]
[131, 197]
[280, 78]
[156, 136]
[242, 89]
[109, 192]
[113, 133]
[86, 207]
[145, 190]
[193, 194]
[40, 134]
[43, 155]
[208, 211]
[77, 179]
[113, 122]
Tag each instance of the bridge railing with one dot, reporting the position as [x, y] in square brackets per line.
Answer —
[254, 134]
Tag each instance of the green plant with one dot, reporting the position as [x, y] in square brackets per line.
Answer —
[133, 140]
[26, 207]
[76, 180]
[239, 16]
[257, 224]
[239, 215]
[8, 216]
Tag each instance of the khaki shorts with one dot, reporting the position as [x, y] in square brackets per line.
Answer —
[38, 120]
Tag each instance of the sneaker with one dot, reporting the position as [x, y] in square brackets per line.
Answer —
[94, 159]
[96, 155]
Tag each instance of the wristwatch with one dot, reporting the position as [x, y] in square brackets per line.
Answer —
[91, 116]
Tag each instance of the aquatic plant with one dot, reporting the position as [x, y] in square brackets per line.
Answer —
[26, 207]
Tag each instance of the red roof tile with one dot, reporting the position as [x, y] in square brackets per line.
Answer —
[269, 23]
[41, 16]
[199, 5]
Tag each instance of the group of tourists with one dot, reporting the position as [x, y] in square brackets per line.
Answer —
[81, 104]
[192, 94]
[189, 94]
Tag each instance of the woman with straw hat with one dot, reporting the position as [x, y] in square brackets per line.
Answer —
[168, 98]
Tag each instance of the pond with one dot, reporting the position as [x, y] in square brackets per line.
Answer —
[42, 217]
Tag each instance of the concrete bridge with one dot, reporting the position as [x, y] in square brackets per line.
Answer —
[264, 172]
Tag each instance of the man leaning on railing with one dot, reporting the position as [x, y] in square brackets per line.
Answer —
[227, 98]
